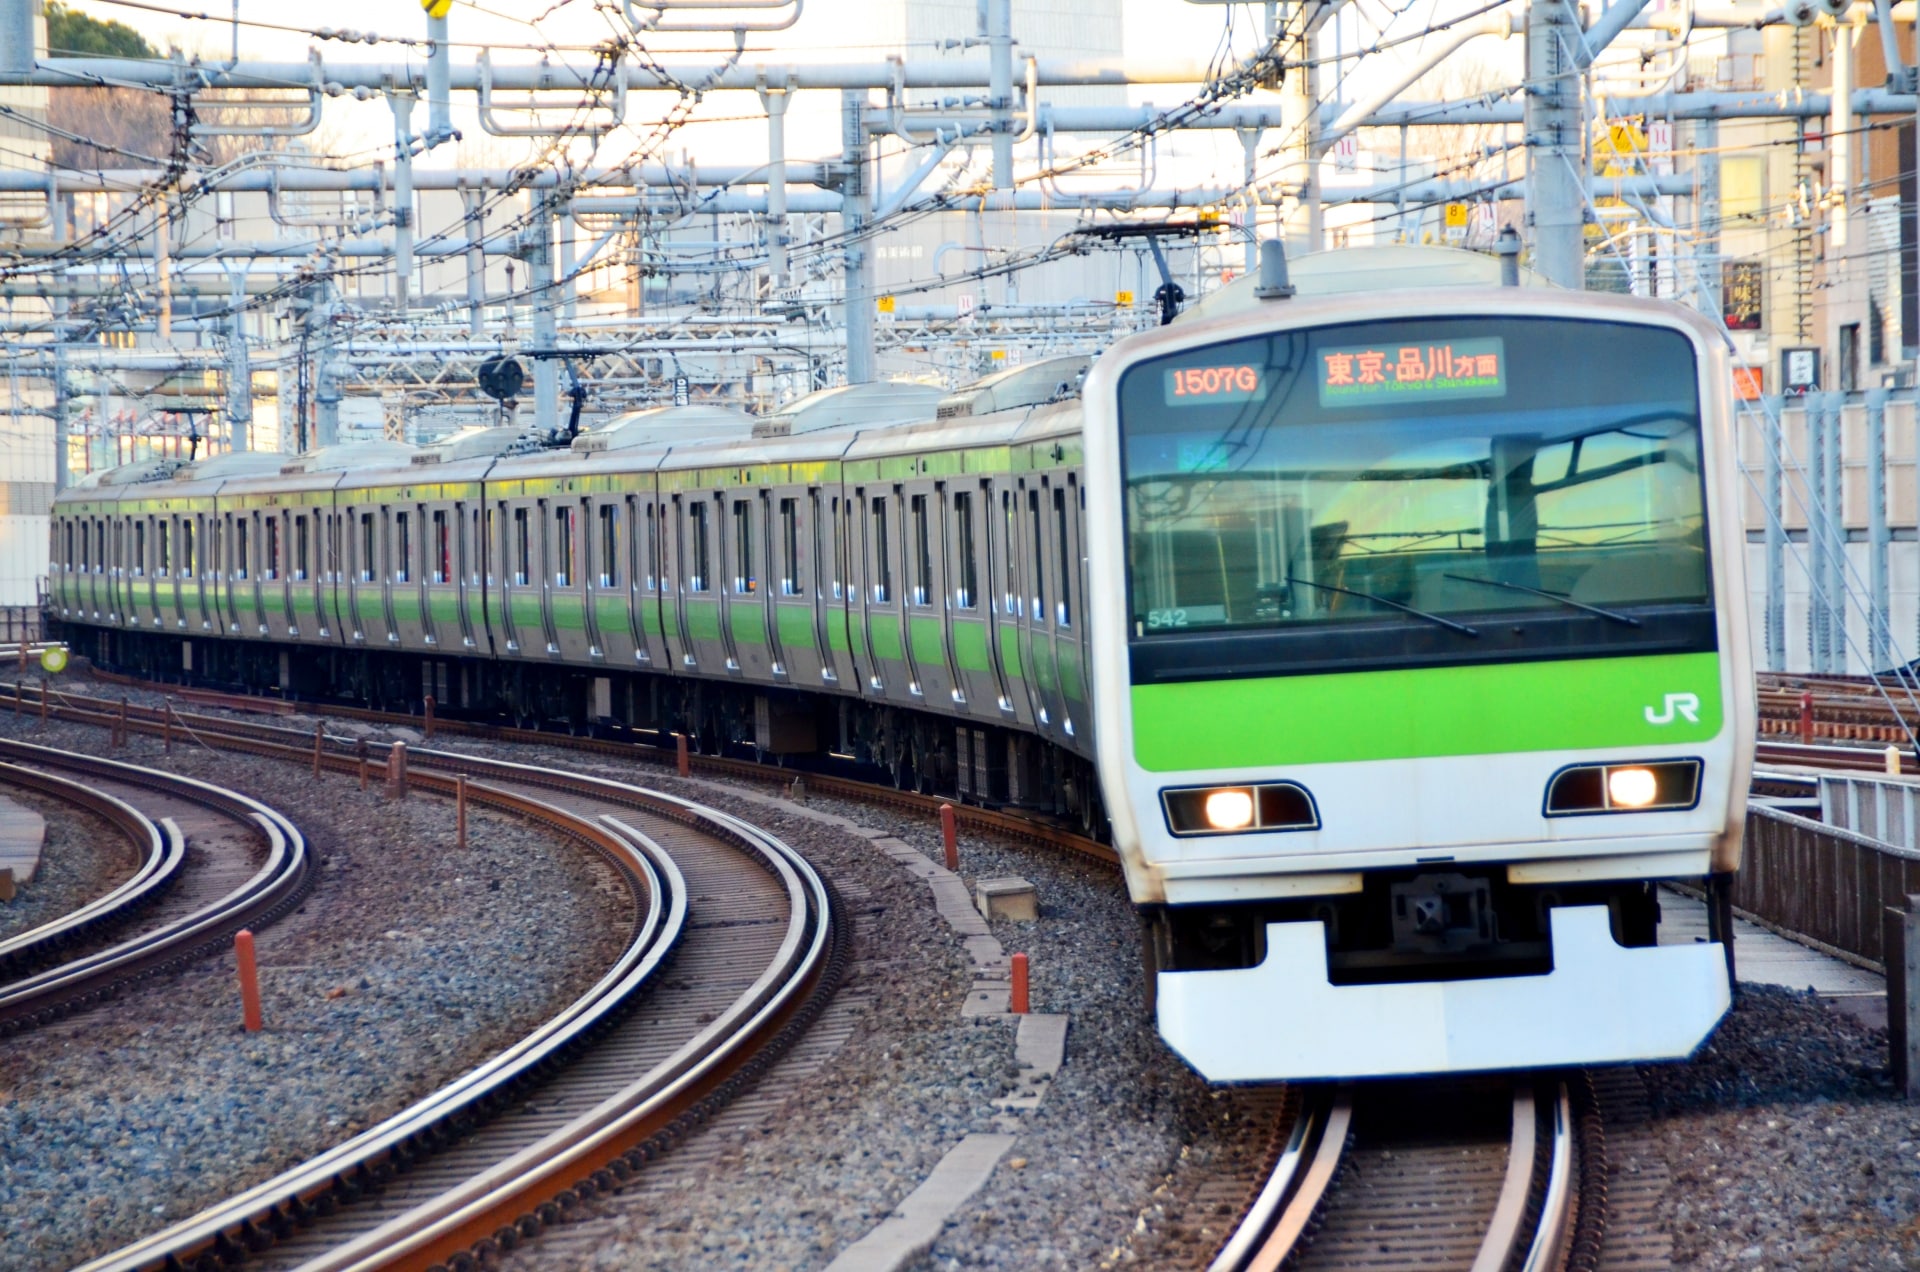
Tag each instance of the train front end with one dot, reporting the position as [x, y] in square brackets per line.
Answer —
[1421, 658]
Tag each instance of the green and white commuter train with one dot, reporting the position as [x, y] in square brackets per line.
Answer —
[1394, 628]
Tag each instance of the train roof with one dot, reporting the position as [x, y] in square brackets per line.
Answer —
[1348, 270]
[853, 406]
[665, 425]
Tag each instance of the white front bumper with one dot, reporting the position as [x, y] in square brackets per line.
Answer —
[1602, 1003]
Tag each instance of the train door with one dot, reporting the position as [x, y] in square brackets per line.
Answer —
[516, 574]
[139, 573]
[733, 527]
[362, 572]
[1047, 600]
[703, 590]
[439, 581]
[969, 598]
[749, 610]
[276, 574]
[561, 603]
[879, 620]
[1067, 617]
[823, 584]
[928, 646]
[642, 579]
[792, 613]
[600, 525]
[998, 594]
[114, 532]
[1026, 598]
[332, 572]
[466, 539]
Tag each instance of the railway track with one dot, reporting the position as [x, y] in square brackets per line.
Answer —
[581, 1104]
[213, 861]
[1478, 1175]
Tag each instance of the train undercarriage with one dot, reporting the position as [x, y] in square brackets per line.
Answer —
[914, 750]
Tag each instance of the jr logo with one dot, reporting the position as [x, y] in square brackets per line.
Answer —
[1685, 705]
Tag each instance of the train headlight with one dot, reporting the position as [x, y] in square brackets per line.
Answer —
[1631, 787]
[1230, 810]
[1650, 787]
[1233, 810]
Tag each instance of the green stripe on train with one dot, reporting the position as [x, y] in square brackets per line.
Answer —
[1490, 709]
[794, 623]
[928, 648]
[970, 644]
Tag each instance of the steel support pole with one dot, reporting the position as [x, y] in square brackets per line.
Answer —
[402, 104]
[569, 286]
[475, 201]
[439, 85]
[546, 371]
[1877, 536]
[1814, 407]
[858, 210]
[775, 100]
[1835, 502]
[1772, 425]
[62, 428]
[16, 36]
[1556, 167]
[1706, 215]
[999, 33]
[1301, 126]
[326, 388]
[239, 370]
[1250, 204]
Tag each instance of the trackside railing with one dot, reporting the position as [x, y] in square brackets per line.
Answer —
[1824, 882]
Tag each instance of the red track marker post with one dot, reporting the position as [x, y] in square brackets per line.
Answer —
[1806, 719]
[429, 715]
[360, 753]
[680, 758]
[1017, 1001]
[950, 837]
[460, 810]
[249, 980]
[397, 771]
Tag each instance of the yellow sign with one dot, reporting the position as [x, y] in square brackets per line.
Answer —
[1124, 299]
[437, 8]
[1457, 216]
[1614, 153]
[54, 659]
[998, 355]
[885, 304]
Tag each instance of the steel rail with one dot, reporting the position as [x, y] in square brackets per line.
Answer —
[272, 890]
[250, 1220]
[1531, 1223]
[1011, 825]
[497, 1206]
[160, 845]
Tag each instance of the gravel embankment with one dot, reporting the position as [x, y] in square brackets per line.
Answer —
[407, 965]
[1787, 1145]
[83, 858]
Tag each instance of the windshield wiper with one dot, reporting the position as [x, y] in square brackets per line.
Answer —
[1617, 617]
[1447, 623]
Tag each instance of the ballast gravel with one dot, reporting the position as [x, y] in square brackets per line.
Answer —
[408, 964]
[83, 858]
[1787, 1145]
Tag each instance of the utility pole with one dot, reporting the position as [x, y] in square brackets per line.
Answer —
[774, 98]
[857, 211]
[1300, 124]
[999, 33]
[537, 251]
[475, 203]
[239, 372]
[62, 425]
[1556, 160]
[402, 104]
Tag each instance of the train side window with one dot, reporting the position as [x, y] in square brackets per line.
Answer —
[522, 548]
[442, 549]
[817, 561]
[1039, 556]
[366, 547]
[1065, 603]
[187, 563]
[609, 545]
[841, 519]
[70, 558]
[139, 548]
[302, 547]
[922, 552]
[482, 528]
[402, 547]
[650, 562]
[697, 522]
[790, 547]
[744, 579]
[241, 558]
[882, 554]
[1010, 598]
[334, 533]
[564, 572]
[969, 583]
[162, 553]
[270, 549]
[85, 538]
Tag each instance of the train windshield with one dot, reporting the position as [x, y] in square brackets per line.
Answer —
[1408, 489]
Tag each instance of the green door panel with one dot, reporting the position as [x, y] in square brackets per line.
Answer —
[928, 649]
[1490, 709]
[970, 645]
[1010, 652]
[444, 607]
[1073, 681]
[703, 620]
[795, 625]
[748, 623]
[569, 612]
[886, 638]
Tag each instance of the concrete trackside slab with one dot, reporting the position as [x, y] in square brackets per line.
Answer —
[915, 1224]
[23, 833]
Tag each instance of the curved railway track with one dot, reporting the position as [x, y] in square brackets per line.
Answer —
[213, 861]
[1479, 1176]
[582, 1103]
